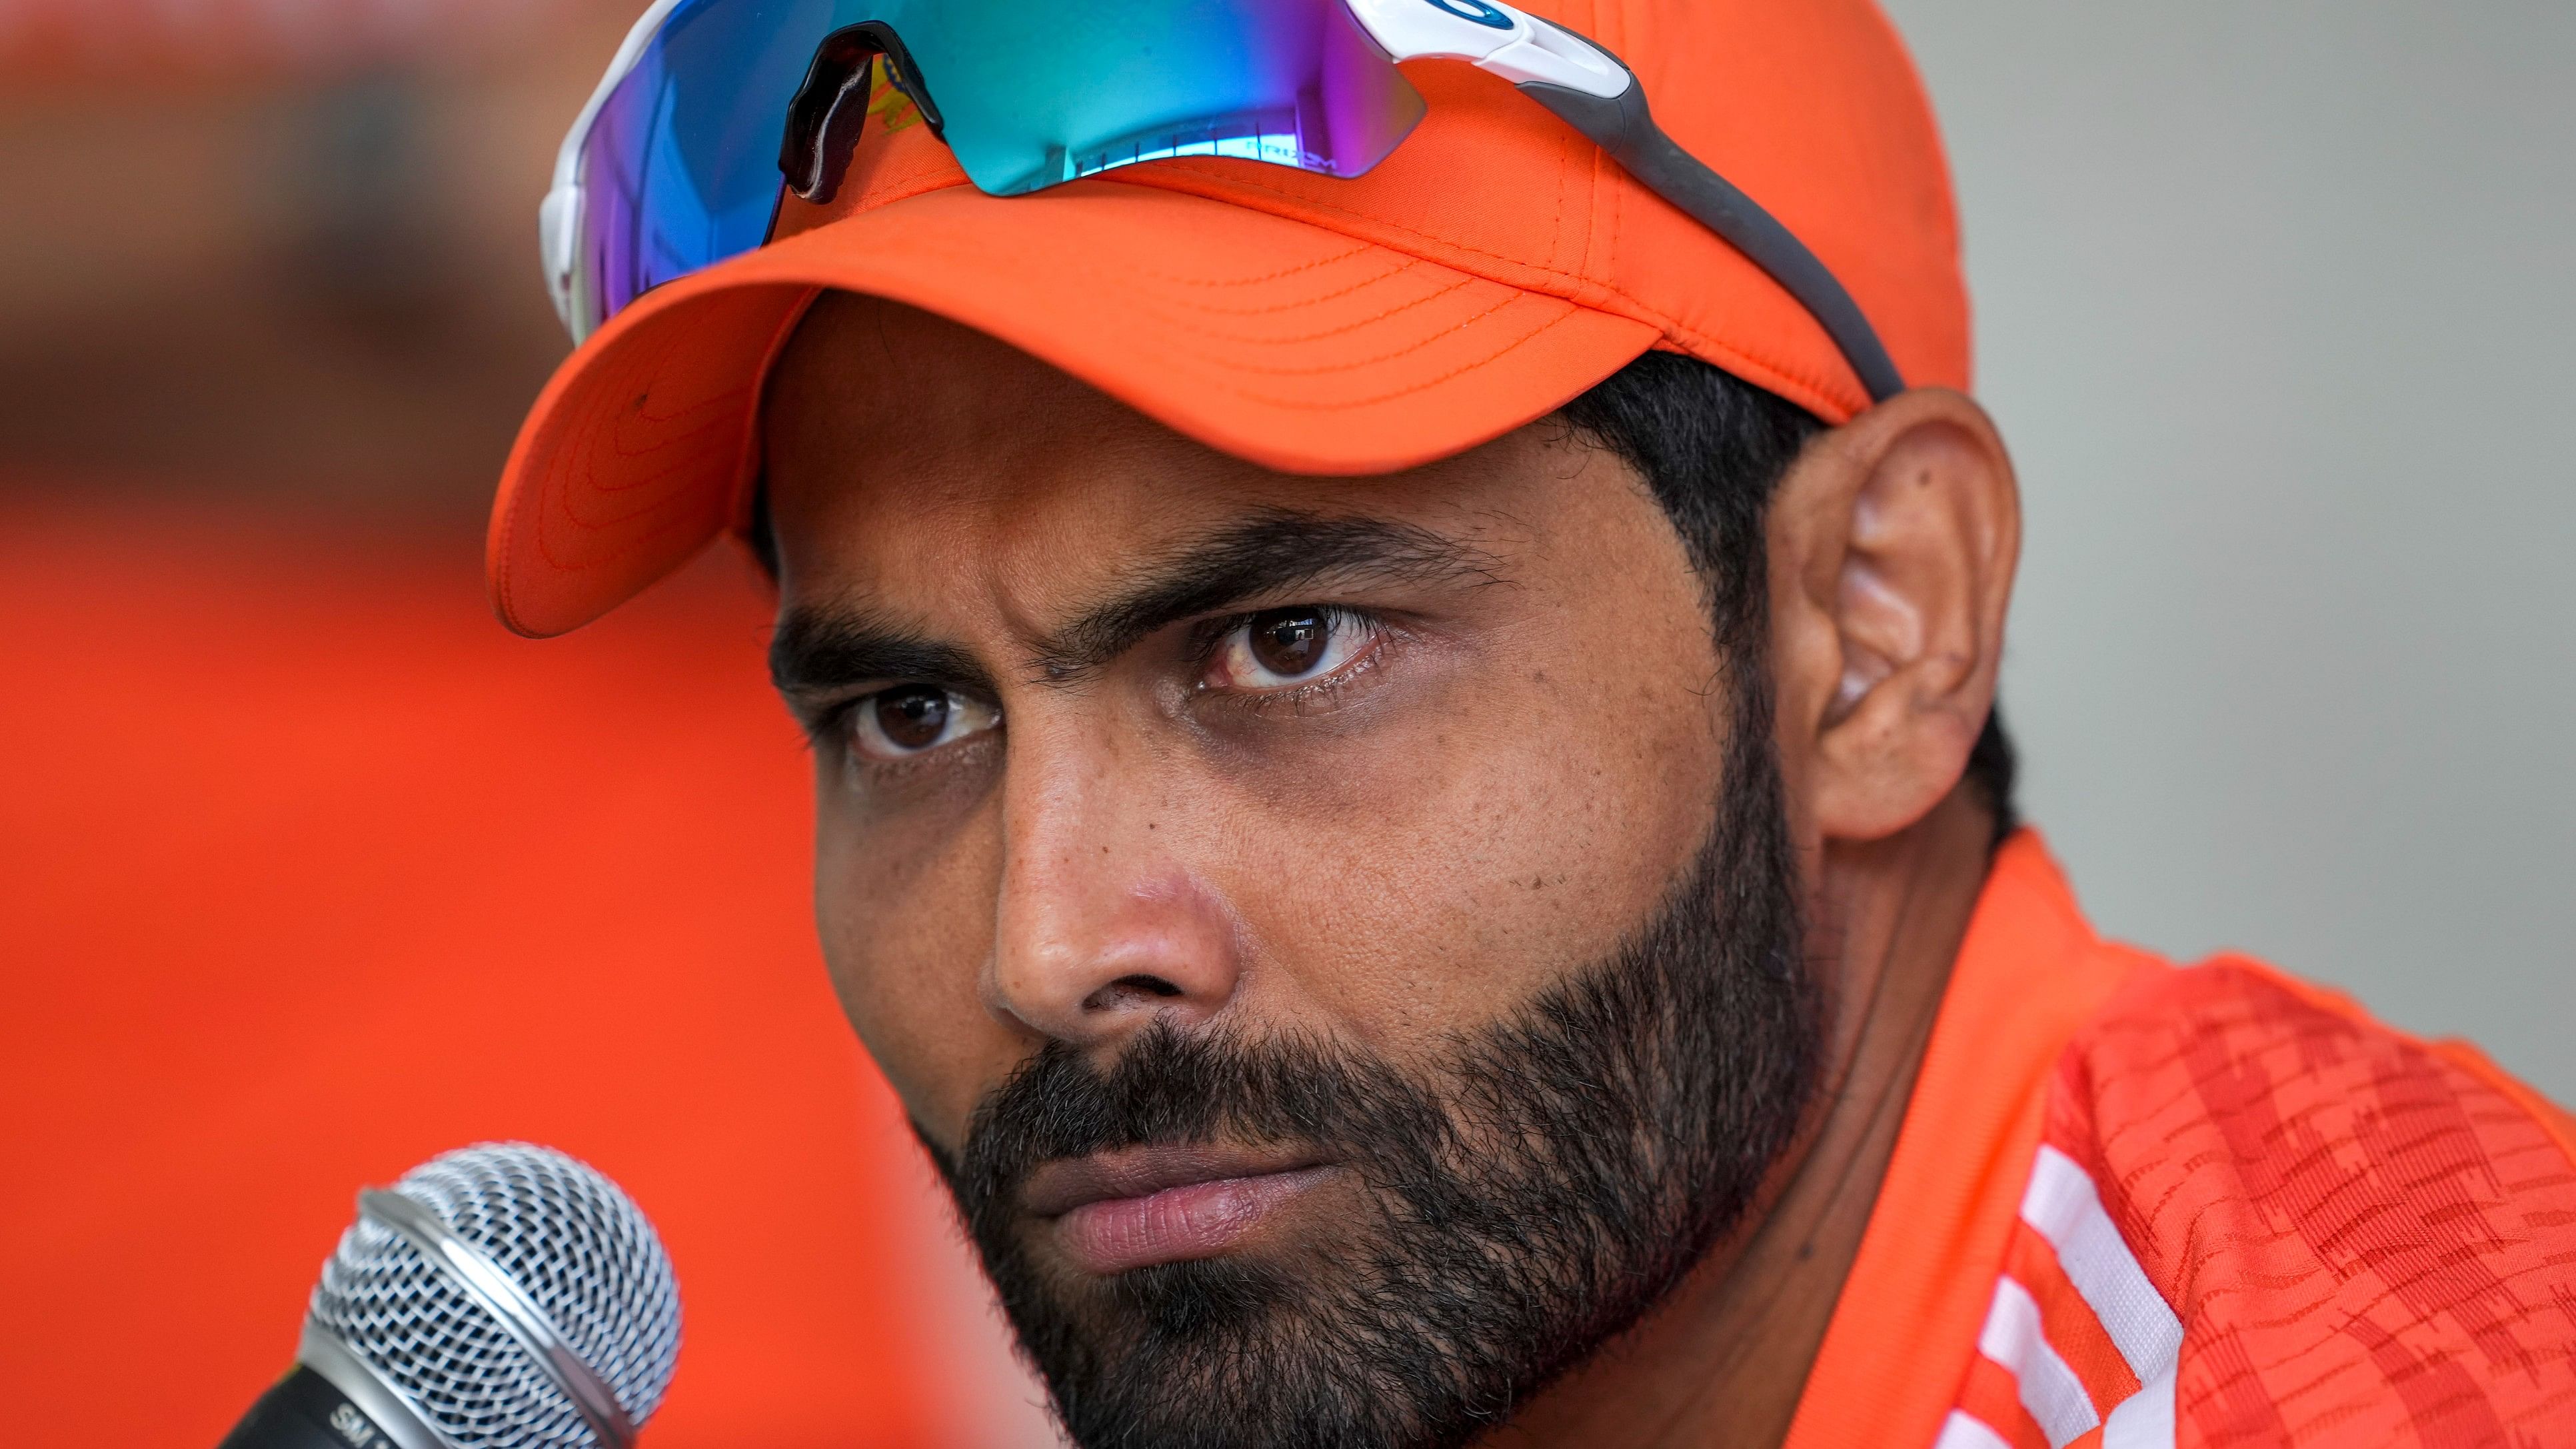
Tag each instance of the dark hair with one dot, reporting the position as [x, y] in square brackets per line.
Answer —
[1714, 449]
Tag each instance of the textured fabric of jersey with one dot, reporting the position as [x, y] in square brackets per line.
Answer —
[2247, 1215]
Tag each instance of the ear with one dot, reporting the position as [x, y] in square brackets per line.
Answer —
[1892, 547]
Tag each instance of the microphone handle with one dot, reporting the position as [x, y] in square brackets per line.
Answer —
[306, 1411]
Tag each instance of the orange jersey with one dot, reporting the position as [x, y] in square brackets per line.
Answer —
[2138, 1205]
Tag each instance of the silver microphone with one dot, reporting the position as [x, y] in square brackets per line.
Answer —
[503, 1296]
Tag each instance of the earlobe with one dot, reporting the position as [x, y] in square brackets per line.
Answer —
[1894, 542]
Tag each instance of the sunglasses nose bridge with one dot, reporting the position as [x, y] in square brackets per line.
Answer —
[830, 108]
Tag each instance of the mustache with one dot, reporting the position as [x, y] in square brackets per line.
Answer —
[1185, 1089]
[1709, 1000]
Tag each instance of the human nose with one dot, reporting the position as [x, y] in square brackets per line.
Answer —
[1104, 925]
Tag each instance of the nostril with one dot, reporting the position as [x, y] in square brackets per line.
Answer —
[1125, 988]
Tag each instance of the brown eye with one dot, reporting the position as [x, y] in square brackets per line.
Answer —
[912, 718]
[1277, 648]
[1289, 642]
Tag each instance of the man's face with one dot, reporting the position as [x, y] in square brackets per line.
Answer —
[1337, 935]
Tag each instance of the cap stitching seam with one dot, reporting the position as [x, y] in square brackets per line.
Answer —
[1425, 384]
[1361, 248]
[1464, 279]
[1357, 324]
[1354, 366]
[1814, 384]
[1409, 263]
[1546, 268]
[1565, 165]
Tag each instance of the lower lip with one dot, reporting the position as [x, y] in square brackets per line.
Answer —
[1177, 1224]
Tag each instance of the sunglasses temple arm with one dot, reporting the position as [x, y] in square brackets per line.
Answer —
[1623, 126]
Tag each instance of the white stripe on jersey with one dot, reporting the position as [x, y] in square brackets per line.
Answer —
[1966, 1432]
[2145, 1419]
[2013, 1338]
[2062, 1206]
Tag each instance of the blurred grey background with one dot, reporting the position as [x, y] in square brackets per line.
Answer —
[2274, 303]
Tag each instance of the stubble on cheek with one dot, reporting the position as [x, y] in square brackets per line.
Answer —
[904, 941]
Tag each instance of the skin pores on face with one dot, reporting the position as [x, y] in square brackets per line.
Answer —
[1099, 806]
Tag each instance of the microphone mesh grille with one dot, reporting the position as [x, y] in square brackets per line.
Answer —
[572, 1242]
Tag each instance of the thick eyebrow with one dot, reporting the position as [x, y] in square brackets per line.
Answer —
[1271, 553]
[819, 649]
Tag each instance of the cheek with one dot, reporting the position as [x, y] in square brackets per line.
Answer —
[1447, 868]
[906, 921]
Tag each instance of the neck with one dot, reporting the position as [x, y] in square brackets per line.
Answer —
[1724, 1360]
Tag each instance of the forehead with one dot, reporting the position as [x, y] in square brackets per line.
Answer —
[919, 461]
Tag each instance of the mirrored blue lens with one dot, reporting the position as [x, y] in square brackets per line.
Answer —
[680, 169]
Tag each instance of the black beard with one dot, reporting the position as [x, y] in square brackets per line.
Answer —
[1533, 1197]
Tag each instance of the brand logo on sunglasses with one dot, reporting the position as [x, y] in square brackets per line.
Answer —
[1476, 10]
[887, 106]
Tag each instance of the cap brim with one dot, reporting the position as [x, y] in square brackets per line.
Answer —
[1285, 343]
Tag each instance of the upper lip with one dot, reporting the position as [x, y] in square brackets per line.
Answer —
[1061, 1186]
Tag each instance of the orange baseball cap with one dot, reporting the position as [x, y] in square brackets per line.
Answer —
[1491, 269]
